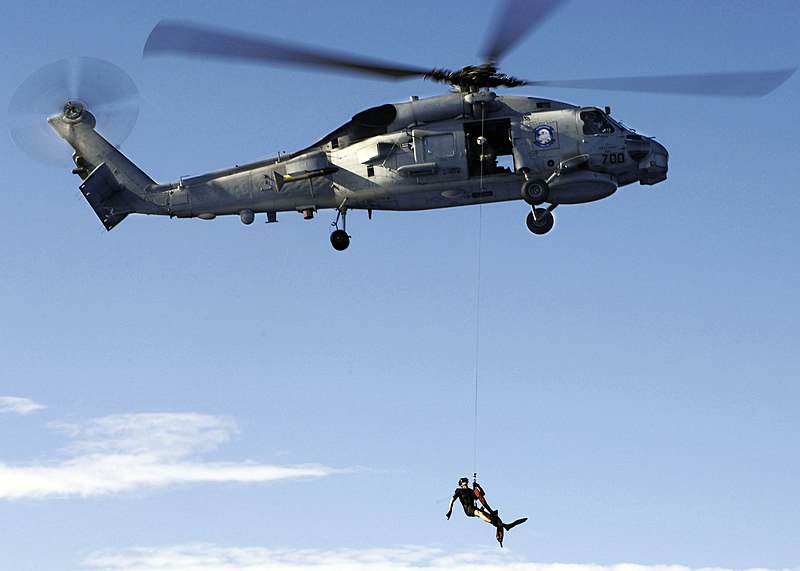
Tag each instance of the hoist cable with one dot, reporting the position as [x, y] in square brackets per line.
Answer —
[482, 144]
[478, 300]
[477, 339]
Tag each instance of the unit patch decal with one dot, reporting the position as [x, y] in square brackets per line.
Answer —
[544, 136]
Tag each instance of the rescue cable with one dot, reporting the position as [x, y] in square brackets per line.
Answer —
[478, 293]
[477, 345]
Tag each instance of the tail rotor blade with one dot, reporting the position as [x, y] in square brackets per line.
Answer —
[102, 87]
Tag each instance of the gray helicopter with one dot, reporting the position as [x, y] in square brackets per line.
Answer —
[467, 146]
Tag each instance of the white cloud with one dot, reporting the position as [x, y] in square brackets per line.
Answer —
[18, 405]
[160, 434]
[122, 453]
[209, 557]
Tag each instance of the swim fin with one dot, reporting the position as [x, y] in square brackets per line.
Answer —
[515, 523]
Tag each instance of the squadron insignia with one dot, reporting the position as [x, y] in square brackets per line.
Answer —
[544, 136]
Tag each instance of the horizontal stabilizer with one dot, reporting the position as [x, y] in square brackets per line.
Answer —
[100, 188]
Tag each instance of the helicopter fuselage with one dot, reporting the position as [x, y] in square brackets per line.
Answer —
[455, 149]
[427, 154]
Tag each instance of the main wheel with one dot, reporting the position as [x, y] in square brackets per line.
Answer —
[543, 222]
[340, 240]
[535, 191]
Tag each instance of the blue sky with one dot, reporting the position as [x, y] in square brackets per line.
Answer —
[213, 396]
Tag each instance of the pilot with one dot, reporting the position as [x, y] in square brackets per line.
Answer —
[595, 124]
[468, 495]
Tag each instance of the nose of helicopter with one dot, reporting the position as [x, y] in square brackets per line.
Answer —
[653, 167]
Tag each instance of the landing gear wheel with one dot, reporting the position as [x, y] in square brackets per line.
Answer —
[542, 223]
[340, 240]
[535, 191]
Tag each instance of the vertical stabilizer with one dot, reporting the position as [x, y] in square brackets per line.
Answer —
[112, 184]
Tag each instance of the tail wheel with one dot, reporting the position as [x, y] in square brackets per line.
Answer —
[340, 240]
[541, 223]
[535, 191]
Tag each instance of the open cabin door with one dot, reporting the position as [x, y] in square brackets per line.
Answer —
[489, 148]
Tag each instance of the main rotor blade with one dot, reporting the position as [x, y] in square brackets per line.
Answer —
[730, 84]
[518, 18]
[196, 41]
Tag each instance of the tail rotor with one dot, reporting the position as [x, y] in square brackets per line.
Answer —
[83, 82]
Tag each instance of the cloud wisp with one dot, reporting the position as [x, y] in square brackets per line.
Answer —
[18, 405]
[129, 452]
[210, 557]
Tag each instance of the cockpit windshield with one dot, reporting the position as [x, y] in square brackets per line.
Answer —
[595, 122]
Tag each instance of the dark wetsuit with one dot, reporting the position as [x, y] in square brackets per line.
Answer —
[467, 498]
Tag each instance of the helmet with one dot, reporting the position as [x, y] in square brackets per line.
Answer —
[463, 481]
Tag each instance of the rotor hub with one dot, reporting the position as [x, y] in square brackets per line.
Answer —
[471, 78]
[73, 110]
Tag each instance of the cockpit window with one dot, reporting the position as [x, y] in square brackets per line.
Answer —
[595, 123]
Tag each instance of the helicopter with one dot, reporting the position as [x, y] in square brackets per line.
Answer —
[468, 146]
